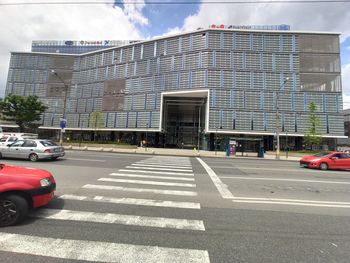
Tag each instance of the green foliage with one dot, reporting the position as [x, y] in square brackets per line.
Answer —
[312, 137]
[96, 121]
[24, 111]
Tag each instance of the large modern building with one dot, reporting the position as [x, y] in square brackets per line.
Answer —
[205, 87]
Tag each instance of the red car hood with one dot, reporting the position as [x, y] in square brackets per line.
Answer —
[9, 170]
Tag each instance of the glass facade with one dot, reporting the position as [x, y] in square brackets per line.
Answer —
[243, 71]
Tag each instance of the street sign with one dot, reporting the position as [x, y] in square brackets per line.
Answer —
[63, 123]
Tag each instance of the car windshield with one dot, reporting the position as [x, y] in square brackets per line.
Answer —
[321, 154]
[48, 143]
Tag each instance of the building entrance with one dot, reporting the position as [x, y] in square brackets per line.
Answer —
[183, 121]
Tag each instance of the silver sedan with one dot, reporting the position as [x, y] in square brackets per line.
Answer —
[32, 150]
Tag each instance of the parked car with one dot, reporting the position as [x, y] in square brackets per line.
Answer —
[33, 150]
[9, 138]
[326, 160]
[23, 188]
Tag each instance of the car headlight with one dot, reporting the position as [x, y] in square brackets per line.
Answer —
[315, 160]
[45, 182]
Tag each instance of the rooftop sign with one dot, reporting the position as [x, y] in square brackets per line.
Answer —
[252, 27]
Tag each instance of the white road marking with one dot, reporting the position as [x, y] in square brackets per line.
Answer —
[145, 182]
[159, 169]
[160, 166]
[155, 172]
[152, 176]
[165, 164]
[222, 188]
[89, 160]
[289, 203]
[93, 251]
[133, 201]
[108, 218]
[283, 179]
[140, 190]
[290, 200]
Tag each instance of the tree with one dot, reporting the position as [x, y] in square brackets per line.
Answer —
[96, 121]
[312, 137]
[24, 111]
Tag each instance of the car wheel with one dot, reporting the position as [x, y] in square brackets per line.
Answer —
[324, 166]
[13, 208]
[33, 157]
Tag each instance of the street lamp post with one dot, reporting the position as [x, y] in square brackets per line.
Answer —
[146, 137]
[278, 120]
[216, 139]
[199, 126]
[63, 124]
[286, 144]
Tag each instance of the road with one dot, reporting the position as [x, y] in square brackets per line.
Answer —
[138, 208]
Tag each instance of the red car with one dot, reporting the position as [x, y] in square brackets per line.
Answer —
[22, 188]
[326, 160]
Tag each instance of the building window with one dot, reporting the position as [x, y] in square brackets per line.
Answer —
[261, 100]
[221, 40]
[305, 102]
[133, 53]
[273, 62]
[251, 121]
[234, 41]
[265, 121]
[295, 122]
[135, 68]
[213, 62]
[158, 65]
[293, 44]
[206, 78]
[155, 49]
[206, 40]
[327, 124]
[165, 48]
[148, 66]
[233, 120]
[234, 79]
[190, 79]
[221, 79]
[141, 53]
[121, 56]
[200, 60]
[191, 42]
[291, 63]
[281, 43]
[244, 60]
[172, 63]
[251, 80]
[180, 44]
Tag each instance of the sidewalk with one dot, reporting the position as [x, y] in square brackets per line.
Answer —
[181, 152]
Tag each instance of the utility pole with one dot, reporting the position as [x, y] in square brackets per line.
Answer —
[63, 120]
[278, 119]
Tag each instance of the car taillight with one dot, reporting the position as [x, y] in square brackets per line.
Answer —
[47, 151]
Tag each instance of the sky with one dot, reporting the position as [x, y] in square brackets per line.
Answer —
[125, 19]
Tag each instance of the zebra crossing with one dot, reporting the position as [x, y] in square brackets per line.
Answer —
[157, 182]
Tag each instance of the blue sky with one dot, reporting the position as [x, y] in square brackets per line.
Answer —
[144, 21]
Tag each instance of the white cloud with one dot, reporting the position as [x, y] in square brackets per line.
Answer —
[22, 24]
[306, 17]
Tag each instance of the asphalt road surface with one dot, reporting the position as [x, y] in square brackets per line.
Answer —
[140, 208]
